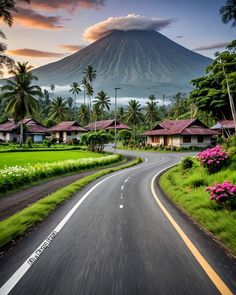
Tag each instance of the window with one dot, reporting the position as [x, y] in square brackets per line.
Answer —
[186, 139]
[200, 138]
[157, 139]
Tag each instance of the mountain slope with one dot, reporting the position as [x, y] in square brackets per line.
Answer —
[141, 62]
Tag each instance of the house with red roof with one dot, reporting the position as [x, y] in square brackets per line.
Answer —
[226, 127]
[106, 125]
[180, 133]
[67, 130]
[9, 130]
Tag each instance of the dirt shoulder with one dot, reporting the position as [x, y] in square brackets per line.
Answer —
[14, 202]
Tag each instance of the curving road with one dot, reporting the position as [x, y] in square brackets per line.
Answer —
[114, 238]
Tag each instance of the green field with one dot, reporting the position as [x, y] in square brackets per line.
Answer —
[24, 158]
[187, 190]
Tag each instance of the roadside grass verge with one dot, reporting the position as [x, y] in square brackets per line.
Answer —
[19, 223]
[187, 190]
[27, 157]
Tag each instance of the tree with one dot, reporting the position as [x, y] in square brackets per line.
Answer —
[96, 114]
[228, 12]
[102, 102]
[89, 92]
[59, 110]
[20, 95]
[215, 92]
[95, 141]
[134, 114]
[84, 83]
[84, 114]
[75, 90]
[120, 113]
[125, 136]
[151, 110]
[6, 9]
[52, 87]
[90, 75]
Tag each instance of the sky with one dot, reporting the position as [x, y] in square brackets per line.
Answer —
[47, 31]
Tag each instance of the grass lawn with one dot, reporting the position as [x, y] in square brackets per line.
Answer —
[24, 158]
[187, 190]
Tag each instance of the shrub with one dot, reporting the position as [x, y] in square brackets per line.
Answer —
[224, 194]
[29, 142]
[187, 163]
[213, 158]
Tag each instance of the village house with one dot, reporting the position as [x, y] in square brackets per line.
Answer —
[106, 125]
[180, 133]
[66, 131]
[10, 131]
[226, 127]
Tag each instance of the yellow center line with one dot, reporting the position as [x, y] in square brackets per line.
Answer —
[214, 277]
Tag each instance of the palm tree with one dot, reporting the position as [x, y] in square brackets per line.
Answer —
[120, 113]
[52, 87]
[59, 109]
[134, 114]
[84, 83]
[4, 60]
[83, 114]
[75, 90]
[6, 9]
[228, 12]
[102, 102]
[89, 92]
[152, 97]
[96, 113]
[20, 95]
[151, 114]
[90, 75]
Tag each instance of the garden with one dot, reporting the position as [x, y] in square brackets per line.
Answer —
[204, 187]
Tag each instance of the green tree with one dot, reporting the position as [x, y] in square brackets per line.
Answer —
[95, 141]
[20, 95]
[124, 136]
[134, 114]
[103, 102]
[75, 90]
[228, 12]
[83, 114]
[84, 83]
[89, 93]
[90, 75]
[59, 109]
[52, 87]
[151, 110]
[215, 92]
[96, 114]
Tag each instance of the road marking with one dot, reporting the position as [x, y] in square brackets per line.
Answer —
[16, 277]
[122, 187]
[126, 179]
[214, 277]
[121, 196]
[121, 206]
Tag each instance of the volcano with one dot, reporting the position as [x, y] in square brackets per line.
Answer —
[140, 62]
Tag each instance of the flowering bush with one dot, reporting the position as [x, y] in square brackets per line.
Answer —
[15, 176]
[213, 158]
[223, 193]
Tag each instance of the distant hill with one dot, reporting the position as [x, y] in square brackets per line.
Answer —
[140, 62]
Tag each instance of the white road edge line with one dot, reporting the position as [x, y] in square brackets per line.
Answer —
[15, 278]
[122, 187]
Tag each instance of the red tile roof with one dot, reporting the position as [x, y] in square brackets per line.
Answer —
[32, 126]
[224, 124]
[184, 127]
[106, 124]
[68, 126]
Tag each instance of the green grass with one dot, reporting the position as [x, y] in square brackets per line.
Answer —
[187, 190]
[19, 223]
[24, 158]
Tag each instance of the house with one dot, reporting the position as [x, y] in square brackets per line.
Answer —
[67, 130]
[106, 125]
[226, 127]
[10, 131]
[180, 133]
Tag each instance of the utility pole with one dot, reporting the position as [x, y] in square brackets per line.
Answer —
[117, 88]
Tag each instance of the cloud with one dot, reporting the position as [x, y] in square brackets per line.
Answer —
[71, 48]
[212, 46]
[34, 53]
[125, 23]
[179, 36]
[31, 19]
[68, 5]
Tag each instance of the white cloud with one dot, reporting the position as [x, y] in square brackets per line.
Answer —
[125, 23]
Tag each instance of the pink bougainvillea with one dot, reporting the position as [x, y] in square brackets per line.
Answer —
[223, 193]
[213, 158]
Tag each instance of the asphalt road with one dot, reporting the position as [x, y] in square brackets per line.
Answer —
[116, 240]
